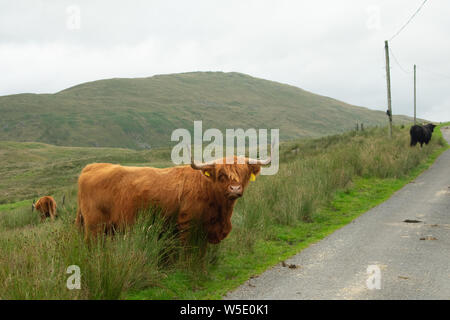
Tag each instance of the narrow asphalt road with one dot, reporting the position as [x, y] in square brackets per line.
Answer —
[408, 260]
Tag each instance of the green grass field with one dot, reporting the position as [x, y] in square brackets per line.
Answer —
[328, 183]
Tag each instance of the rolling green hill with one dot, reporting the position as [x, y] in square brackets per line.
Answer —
[143, 112]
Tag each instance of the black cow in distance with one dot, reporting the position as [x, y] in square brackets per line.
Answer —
[421, 134]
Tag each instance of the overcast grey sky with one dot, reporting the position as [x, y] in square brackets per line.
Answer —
[333, 48]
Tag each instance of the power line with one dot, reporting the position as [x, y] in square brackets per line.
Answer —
[419, 66]
[398, 63]
[440, 74]
[409, 20]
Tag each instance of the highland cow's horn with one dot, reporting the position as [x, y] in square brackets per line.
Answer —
[258, 161]
[204, 165]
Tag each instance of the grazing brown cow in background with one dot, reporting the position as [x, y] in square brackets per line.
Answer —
[46, 207]
[109, 196]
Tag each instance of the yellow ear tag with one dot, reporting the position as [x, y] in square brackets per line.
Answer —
[252, 177]
[207, 173]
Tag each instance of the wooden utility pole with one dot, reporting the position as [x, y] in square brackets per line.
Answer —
[415, 101]
[388, 81]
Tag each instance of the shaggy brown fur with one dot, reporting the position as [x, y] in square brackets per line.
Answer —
[109, 196]
[46, 207]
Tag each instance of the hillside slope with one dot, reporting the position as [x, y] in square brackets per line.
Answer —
[143, 112]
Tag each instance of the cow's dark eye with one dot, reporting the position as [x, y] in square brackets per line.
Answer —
[222, 178]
